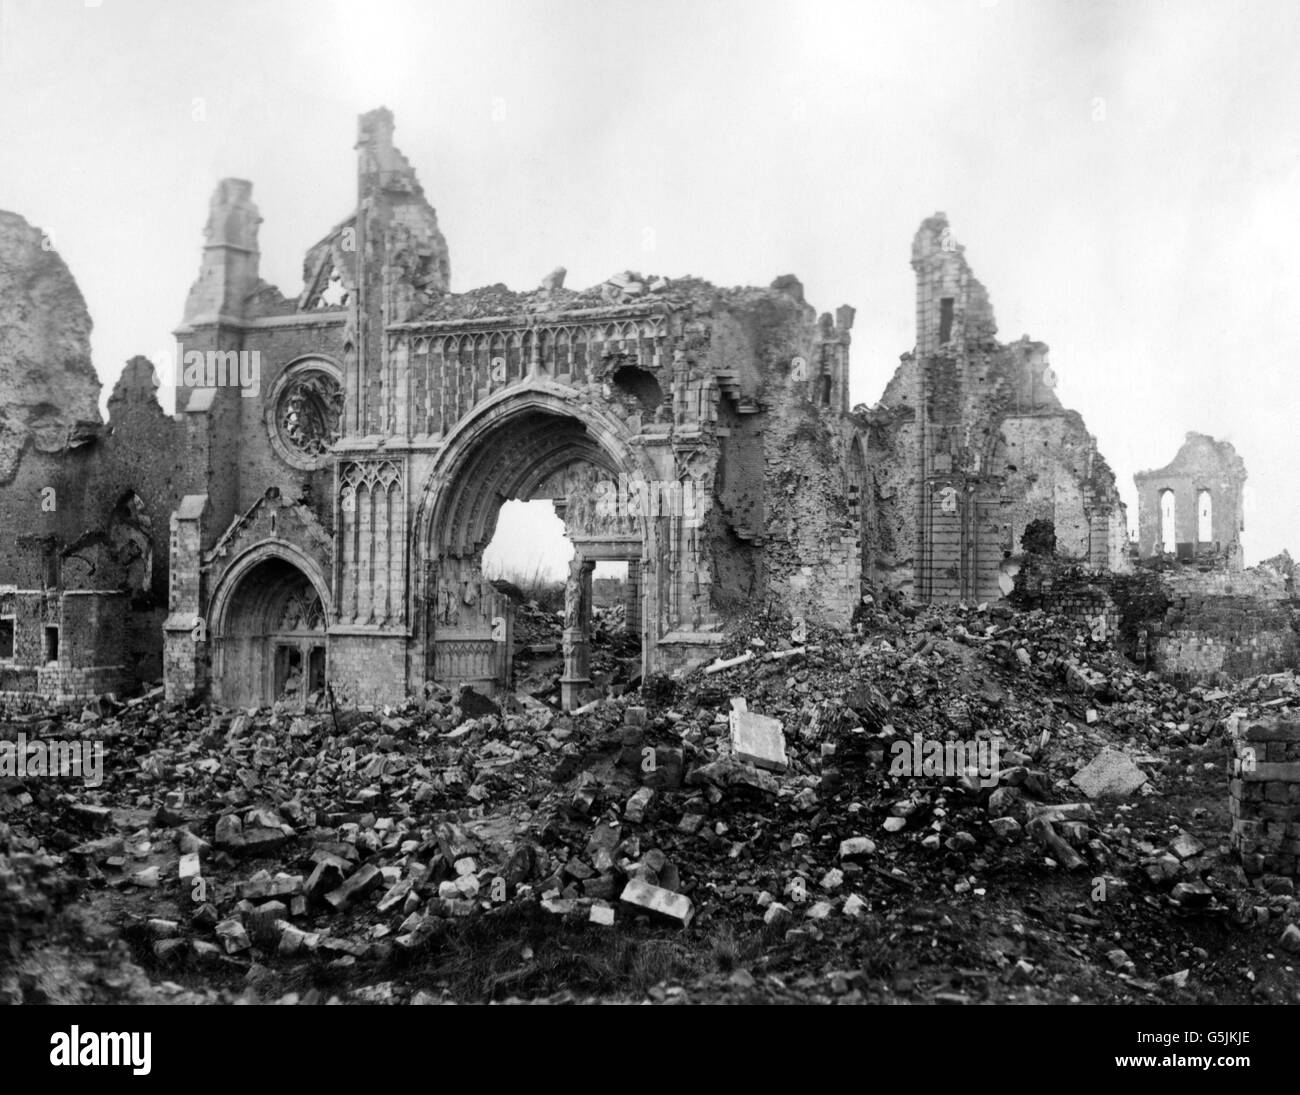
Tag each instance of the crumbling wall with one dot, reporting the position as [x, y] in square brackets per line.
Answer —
[1046, 464]
[736, 521]
[1061, 587]
[1216, 638]
[90, 528]
[785, 487]
[889, 496]
[48, 386]
[992, 447]
[84, 507]
[1214, 625]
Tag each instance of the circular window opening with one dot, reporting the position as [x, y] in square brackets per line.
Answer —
[305, 413]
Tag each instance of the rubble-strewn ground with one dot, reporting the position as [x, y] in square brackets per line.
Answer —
[444, 851]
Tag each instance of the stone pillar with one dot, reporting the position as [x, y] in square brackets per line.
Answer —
[577, 633]
[632, 604]
[185, 632]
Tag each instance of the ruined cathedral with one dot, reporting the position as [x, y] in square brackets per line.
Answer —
[317, 509]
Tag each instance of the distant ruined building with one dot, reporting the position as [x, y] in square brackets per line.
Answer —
[318, 507]
[1193, 506]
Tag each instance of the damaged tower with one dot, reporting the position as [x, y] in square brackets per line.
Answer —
[975, 445]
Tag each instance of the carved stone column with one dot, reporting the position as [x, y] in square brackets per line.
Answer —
[577, 632]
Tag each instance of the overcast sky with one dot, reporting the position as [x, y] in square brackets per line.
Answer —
[1123, 174]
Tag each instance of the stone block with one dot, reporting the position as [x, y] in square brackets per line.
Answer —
[357, 886]
[758, 740]
[656, 899]
[1109, 773]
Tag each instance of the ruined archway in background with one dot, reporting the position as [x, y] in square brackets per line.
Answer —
[267, 628]
[526, 444]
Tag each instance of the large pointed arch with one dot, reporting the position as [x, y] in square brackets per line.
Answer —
[510, 446]
[470, 465]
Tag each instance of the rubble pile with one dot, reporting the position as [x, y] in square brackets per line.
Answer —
[840, 797]
[615, 655]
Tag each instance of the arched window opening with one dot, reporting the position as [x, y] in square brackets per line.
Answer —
[1204, 517]
[1167, 513]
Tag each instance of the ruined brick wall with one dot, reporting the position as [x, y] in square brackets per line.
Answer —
[83, 508]
[65, 502]
[1264, 793]
[1224, 624]
[1060, 587]
[1263, 582]
[1210, 638]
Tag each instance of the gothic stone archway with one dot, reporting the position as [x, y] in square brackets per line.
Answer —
[524, 445]
[268, 633]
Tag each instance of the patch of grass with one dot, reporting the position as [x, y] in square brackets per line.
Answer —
[726, 951]
[523, 952]
[652, 961]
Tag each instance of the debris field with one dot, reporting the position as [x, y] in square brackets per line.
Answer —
[774, 827]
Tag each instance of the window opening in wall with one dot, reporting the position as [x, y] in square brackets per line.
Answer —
[305, 413]
[1167, 513]
[334, 295]
[51, 644]
[945, 319]
[6, 638]
[1204, 517]
[288, 672]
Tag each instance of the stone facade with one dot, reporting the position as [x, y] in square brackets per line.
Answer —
[317, 509]
[694, 432]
